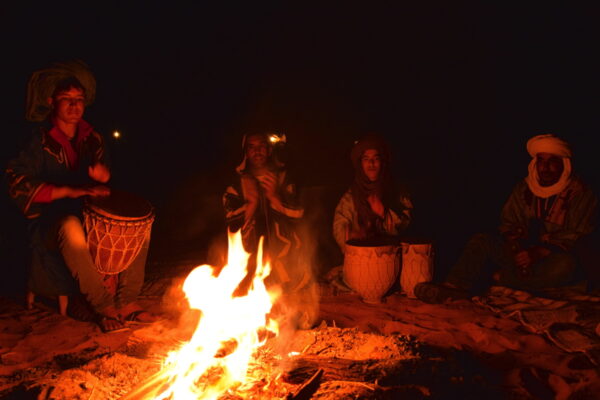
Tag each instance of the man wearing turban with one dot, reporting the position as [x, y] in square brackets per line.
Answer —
[545, 216]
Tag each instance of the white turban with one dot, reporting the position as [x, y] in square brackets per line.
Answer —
[552, 145]
[548, 144]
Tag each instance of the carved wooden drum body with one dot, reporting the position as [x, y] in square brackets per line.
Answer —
[417, 266]
[116, 227]
[371, 270]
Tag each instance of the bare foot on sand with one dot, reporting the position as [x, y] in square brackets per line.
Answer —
[108, 320]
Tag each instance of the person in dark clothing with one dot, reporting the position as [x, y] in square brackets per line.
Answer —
[546, 216]
[64, 162]
[263, 202]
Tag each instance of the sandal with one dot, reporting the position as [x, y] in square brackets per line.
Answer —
[109, 324]
[137, 318]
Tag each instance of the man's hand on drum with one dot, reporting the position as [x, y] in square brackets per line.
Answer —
[74, 192]
[99, 172]
[99, 191]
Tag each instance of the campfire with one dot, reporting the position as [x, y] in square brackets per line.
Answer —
[235, 352]
[230, 329]
[230, 346]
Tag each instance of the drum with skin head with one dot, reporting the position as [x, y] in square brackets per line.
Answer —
[116, 226]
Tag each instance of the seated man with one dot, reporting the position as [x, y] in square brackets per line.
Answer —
[263, 202]
[64, 162]
[545, 216]
[371, 208]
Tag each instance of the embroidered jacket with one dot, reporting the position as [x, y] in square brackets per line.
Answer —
[277, 226]
[45, 163]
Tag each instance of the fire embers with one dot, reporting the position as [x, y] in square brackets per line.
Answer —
[231, 328]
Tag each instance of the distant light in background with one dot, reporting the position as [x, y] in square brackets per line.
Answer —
[276, 138]
[117, 134]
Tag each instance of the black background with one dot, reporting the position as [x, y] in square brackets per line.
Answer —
[456, 88]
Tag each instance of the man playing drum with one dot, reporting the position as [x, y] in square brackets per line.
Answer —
[64, 162]
[544, 222]
[371, 208]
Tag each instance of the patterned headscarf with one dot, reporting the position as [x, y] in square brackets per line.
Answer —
[273, 160]
[42, 84]
[552, 145]
[363, 187]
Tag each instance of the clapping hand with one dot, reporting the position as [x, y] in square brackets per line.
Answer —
[268, 182]
[250, 192]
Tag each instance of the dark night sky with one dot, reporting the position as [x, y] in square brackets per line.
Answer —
[457, 89]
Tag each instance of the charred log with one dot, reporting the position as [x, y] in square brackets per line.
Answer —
[307, 389]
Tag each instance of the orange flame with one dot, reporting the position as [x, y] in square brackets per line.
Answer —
[201, 369]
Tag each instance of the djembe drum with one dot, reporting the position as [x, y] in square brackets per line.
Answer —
[371, 269]
[116, 226]
[417, 265]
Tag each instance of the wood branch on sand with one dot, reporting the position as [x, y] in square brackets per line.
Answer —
[308, 388]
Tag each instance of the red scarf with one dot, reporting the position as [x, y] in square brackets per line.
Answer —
[71, 148]
[44, 194]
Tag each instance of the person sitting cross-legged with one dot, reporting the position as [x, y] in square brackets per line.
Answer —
[542, 222]
[371, 208]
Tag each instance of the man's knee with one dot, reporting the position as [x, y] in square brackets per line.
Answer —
[480, 238]
[70, 229]
[587, 250]
[482, 241]
[563, 261]
[559, 268]
[70, 221]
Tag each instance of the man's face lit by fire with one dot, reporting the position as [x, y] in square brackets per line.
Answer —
[549, 168]
[69, 105]
[257, 151]
[371, 164]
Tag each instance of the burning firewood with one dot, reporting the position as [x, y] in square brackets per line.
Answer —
[306, 391]
[339, 369]
[147, 389]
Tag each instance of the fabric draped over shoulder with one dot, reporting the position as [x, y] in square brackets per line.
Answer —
[353, 212]
[362, 187]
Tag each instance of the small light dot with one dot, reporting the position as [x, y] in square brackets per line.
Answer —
[116, 134]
